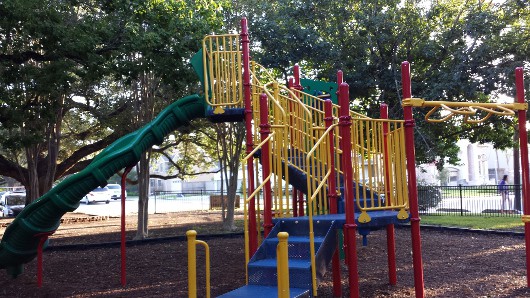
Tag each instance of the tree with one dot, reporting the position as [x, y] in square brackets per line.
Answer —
[230, 136]
[66, 73]
[459, 50]
[159, 70]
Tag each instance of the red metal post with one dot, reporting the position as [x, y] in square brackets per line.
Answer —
[298, 86]
[413, 192]
[340, 79]
[332, 192]
[390, 240]
[300, 203]
[523, 143]
[332, 195]
[42, 239]
[296, 74]
[265, 130]
[123, 247]
[249, 140]
[350, 228]
[294, 195]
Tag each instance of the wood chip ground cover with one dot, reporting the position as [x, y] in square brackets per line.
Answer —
[455, 264]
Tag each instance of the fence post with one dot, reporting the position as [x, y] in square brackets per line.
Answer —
[461, 200]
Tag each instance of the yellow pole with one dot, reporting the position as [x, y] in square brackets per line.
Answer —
[207, 256]
[282, 258]
[192, 264]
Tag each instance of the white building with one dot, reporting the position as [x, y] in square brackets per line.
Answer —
[203, 182]
[480, 164]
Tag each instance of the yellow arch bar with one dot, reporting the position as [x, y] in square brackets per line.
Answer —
[466, 109]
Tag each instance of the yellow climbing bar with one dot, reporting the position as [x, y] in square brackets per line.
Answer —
[471, 111]
[224, 77]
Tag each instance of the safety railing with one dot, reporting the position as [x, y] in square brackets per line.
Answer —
[300, 117]
[316, 160]
[299, 140]
[380, 178]
[223, 71]
[253, 199]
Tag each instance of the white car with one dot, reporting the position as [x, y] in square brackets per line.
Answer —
[115, 190]
[12, 203]
[100, 194]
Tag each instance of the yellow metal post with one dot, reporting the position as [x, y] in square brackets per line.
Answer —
[192, 264]
[282, 259]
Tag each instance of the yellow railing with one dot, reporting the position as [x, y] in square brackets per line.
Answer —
[192, 264]
[255, 195]
[380, 179]
[299, 139]
[320, 171]
[222, 62]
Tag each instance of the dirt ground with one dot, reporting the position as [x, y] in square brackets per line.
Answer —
[456, 264]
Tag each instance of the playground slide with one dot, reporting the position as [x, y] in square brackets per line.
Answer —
[21, 238]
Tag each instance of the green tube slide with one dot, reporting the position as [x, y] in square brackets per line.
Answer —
[21, 238]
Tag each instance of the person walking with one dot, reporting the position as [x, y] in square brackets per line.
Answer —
[503, 190]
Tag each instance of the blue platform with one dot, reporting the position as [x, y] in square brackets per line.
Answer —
[262, 272]
[253, 291]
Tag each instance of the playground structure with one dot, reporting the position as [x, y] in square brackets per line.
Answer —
[313, 167]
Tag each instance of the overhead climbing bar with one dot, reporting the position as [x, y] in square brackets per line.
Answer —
[472, 112]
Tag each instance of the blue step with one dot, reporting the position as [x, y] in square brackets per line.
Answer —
[299, 226]
[262, 267]
[254, 291]
[264, 272]
[299, 247]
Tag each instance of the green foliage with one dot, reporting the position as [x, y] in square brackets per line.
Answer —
[70, 69]
[459, 51]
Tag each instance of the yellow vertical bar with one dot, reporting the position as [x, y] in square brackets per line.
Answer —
[282, 261]
[192, 264]
[222, 70]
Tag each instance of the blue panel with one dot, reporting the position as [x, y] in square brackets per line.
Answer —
[230, 115]
[264, 292]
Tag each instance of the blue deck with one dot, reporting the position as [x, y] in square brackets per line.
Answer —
[378, 219]
[264, 292]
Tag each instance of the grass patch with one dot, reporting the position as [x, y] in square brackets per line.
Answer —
[475, 222]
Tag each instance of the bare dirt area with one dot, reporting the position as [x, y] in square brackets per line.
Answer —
[456, 264]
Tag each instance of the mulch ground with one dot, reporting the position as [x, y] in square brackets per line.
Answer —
[456, 264]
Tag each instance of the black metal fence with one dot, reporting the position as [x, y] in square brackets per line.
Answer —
[469, 200]
[190, 200]
[433, 200]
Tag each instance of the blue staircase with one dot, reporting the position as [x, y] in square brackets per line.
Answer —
[262, 272]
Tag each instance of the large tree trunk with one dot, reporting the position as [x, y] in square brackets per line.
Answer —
[230, 139]
[143, 197]
[228, 220]
[32, 182]
[144, 95]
